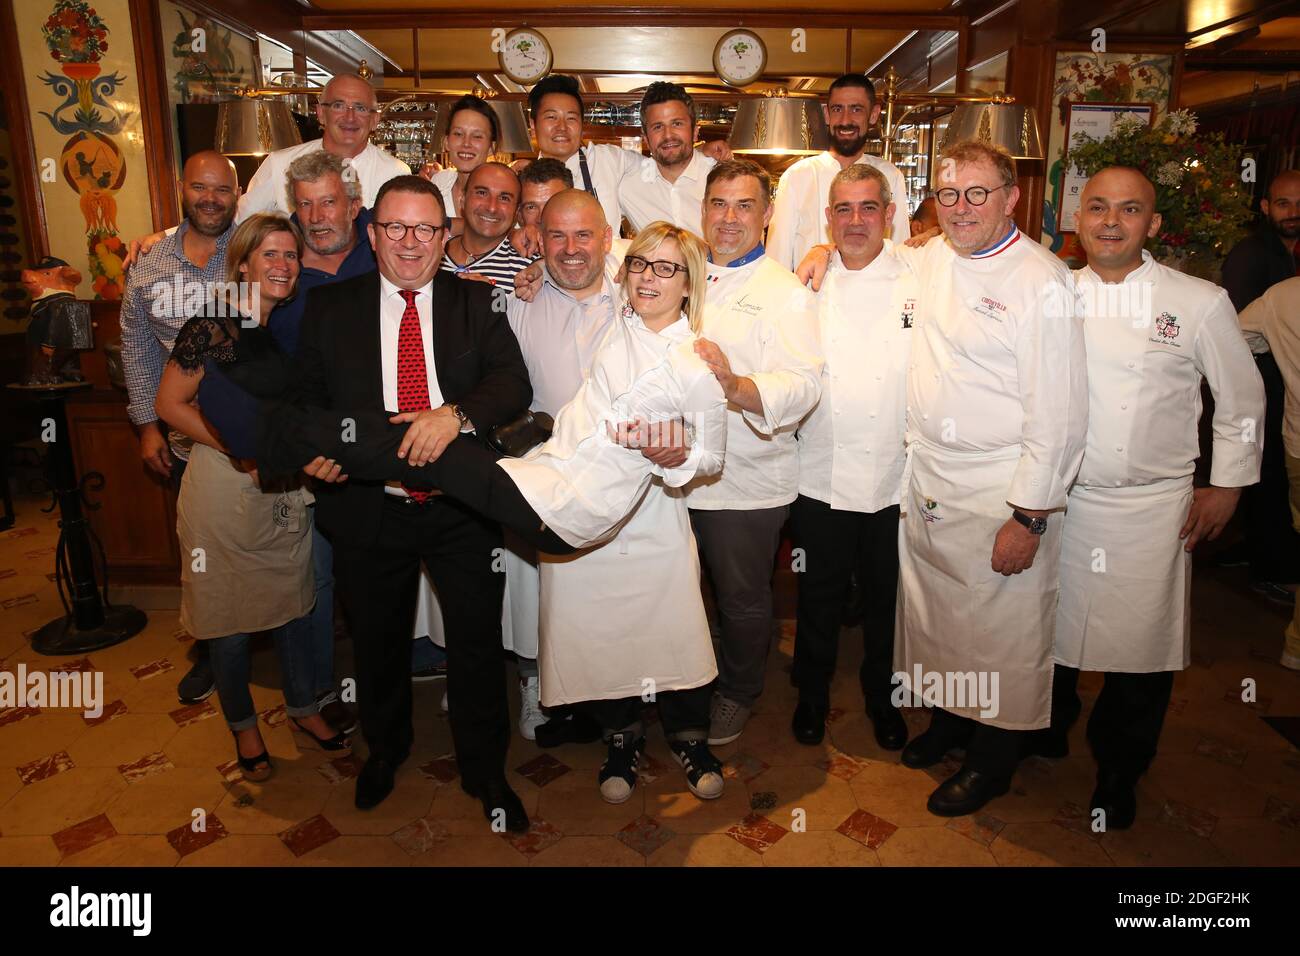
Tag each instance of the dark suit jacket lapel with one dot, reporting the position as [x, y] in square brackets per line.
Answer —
[368, 340]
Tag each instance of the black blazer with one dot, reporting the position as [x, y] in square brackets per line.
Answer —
[338, 366]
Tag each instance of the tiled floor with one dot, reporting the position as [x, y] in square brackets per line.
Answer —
[127, 789]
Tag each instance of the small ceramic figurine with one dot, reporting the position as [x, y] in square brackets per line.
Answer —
[60, 325]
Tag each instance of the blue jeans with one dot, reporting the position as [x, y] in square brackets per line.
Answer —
[321, 671]
[232, 665]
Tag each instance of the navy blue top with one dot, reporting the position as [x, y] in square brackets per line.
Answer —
[286, 321]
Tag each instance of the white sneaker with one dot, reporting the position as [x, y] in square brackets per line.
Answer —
[530, 708]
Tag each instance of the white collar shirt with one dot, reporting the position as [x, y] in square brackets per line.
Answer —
[646, 196]
[607, 164]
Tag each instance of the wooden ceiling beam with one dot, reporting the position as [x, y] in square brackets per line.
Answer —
[370, 19]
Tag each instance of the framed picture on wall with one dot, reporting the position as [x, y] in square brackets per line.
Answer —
[1093, 120]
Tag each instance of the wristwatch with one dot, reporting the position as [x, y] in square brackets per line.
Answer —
[1035, 525]
[465, 424]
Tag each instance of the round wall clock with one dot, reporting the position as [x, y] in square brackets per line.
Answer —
[740, 57]
[525, 56]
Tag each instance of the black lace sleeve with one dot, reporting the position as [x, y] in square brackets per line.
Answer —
[203, 338]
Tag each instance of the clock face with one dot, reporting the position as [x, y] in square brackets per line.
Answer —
[525, 55]
[740, 57]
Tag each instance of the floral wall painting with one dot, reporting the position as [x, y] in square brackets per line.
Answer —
[206, 59]
[88, 136]
[1100, 78]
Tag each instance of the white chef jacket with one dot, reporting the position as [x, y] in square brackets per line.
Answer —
[559, 335]
[765, 322]
[1125, 577]
[604, 633]
[1144, 382]
[851, 444]
[583, 484]
[268, 189]
[1272, 324]
[802, 195]
[647, 197]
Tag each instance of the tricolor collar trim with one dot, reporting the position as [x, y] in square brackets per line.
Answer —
[1001, 245]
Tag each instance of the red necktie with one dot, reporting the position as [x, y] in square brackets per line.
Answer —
[412, 376]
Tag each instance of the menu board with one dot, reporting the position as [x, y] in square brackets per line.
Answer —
[1095, 121]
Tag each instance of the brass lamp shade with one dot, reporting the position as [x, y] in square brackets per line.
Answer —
[779, 126]
[1010, 125]
[254, 127]
[514, 127]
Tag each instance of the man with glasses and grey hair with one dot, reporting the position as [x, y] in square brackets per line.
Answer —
[349, 113]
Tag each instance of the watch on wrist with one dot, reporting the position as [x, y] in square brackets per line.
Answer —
[465, 424]
[1035, 525]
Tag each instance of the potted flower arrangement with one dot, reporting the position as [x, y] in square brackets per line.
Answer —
[1198, 181]
[76, 36]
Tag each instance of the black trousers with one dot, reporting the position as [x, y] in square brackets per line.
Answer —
[378, 588]
[684, 714]
[1272, 544]
[1126, 721]
[990, 750]
[835, 544]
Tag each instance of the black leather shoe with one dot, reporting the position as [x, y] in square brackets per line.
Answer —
[890, 727]
[809, 723]
[1116, 796]
[496, 795]
[927, 750]
[574, 727]
[375, 783]
[965, 792]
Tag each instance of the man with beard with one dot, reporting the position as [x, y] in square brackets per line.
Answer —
[163, 291]
[1266, 257]
[798, 214]
[667, 185]
[1133, 518]
[484, 249]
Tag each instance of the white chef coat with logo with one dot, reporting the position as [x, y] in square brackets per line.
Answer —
[1125, 577]
[629, 610]
[765, 322]
[851, 444]
[997, 411]
[267, 190]
[802, 195]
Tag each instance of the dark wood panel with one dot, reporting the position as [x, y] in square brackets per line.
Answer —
[32, 204]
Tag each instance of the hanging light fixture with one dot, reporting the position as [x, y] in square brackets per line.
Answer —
[1009, 125]
[777, 124]
[248, 126]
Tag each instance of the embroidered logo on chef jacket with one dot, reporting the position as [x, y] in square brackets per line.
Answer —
[990, 308]
[929, 512]
[749, 308]
[909, 310]
[1167, 330]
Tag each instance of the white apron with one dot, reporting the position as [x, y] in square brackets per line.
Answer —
[956, 615]
[1125, 579]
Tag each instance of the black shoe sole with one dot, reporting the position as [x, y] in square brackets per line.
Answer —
[964, 810]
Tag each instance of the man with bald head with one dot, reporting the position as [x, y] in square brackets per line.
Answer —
[1133, 516]
[163, 290]
[1260, 261]
[484, 249]
[349, 112]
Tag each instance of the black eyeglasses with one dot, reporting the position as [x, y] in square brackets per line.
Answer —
[976, 195]
[396, 231]
[662, 267]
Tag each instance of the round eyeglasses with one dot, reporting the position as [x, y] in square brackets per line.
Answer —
[661, 267]
[396, 231]
[975, 195]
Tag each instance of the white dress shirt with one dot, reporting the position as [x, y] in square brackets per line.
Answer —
[558, 335]
[608, 165]
[1147, 351]
[391, 308]
[1270, 324]
[647, 197]
[445, 180]
[268, 190]
[802, 195]
[851, 451]
[765, 322]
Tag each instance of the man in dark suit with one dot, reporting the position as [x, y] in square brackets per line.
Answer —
[429, 349]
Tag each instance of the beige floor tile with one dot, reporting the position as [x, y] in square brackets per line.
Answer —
[48, 732]
[242, 851]
[122, 740]
[573, 804]
[930, 846]
[350, 850]
[825, 801]
[768, 736]
[28, 851]
[672, 804]
[818, 848]
[411, 798]
[205, 744]
[1257, 843]
[126, 851]
[1046, 844]
[1041, 787]
[478, 850]
[709, 849]
[270, 807]
[10, 783]
[1208, 785]
[588, 851]
[1151, 844]
[51, 805]
[160, 803]
[897, 794]
[1275, 772]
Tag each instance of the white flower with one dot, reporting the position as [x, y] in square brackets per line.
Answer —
[1182, 122]
[1170, 173]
